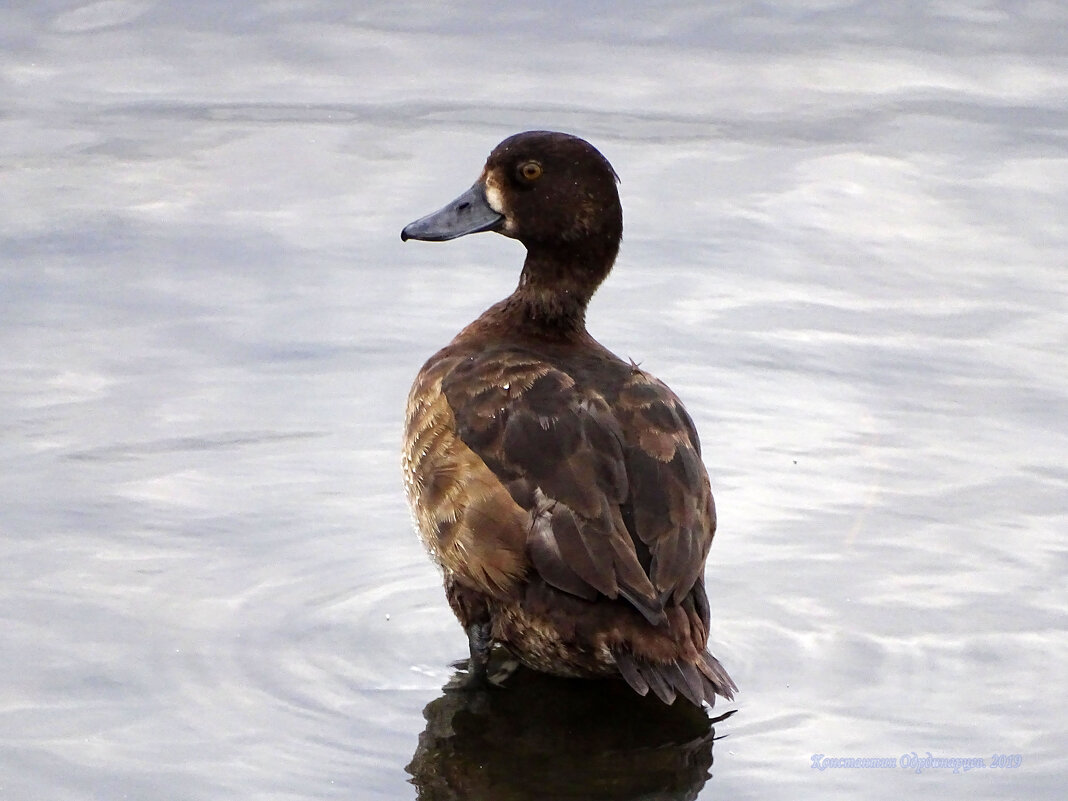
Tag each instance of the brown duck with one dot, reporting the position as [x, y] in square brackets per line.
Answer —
[560, 488]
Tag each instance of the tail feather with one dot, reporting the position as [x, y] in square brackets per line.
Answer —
[722, 684]
[658, 683]
[697, 682]
[629, 670]
[692, 687]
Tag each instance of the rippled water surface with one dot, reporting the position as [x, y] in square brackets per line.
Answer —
[845, 249]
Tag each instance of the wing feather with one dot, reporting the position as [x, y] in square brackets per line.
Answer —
[606, 466]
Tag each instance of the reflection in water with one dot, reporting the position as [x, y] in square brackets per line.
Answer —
[543, 737]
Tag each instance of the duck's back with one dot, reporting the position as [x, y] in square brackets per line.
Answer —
[562, 491]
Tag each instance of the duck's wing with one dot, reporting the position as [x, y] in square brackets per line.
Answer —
[670, 506]
[611, 480]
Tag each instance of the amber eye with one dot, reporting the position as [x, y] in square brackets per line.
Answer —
[530, 171]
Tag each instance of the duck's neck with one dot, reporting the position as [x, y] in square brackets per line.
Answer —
[555, 289]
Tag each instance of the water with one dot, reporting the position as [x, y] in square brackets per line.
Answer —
[845, 238]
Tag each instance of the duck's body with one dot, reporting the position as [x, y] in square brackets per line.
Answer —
[560, 488]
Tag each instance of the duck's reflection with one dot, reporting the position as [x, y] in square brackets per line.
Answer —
[546, 738]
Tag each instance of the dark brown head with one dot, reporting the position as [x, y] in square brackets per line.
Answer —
[553, 192]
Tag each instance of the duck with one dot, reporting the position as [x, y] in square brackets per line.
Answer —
[560, 488]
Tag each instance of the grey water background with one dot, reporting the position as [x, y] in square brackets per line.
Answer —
[845, 250]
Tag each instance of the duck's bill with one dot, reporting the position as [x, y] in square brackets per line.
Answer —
[468, 214]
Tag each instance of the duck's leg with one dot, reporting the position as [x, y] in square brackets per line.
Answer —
[474, 615]
[480, 641]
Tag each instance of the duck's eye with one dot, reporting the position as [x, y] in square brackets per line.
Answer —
[530, 171]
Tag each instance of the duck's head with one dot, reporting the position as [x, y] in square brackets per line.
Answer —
[553, 192]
